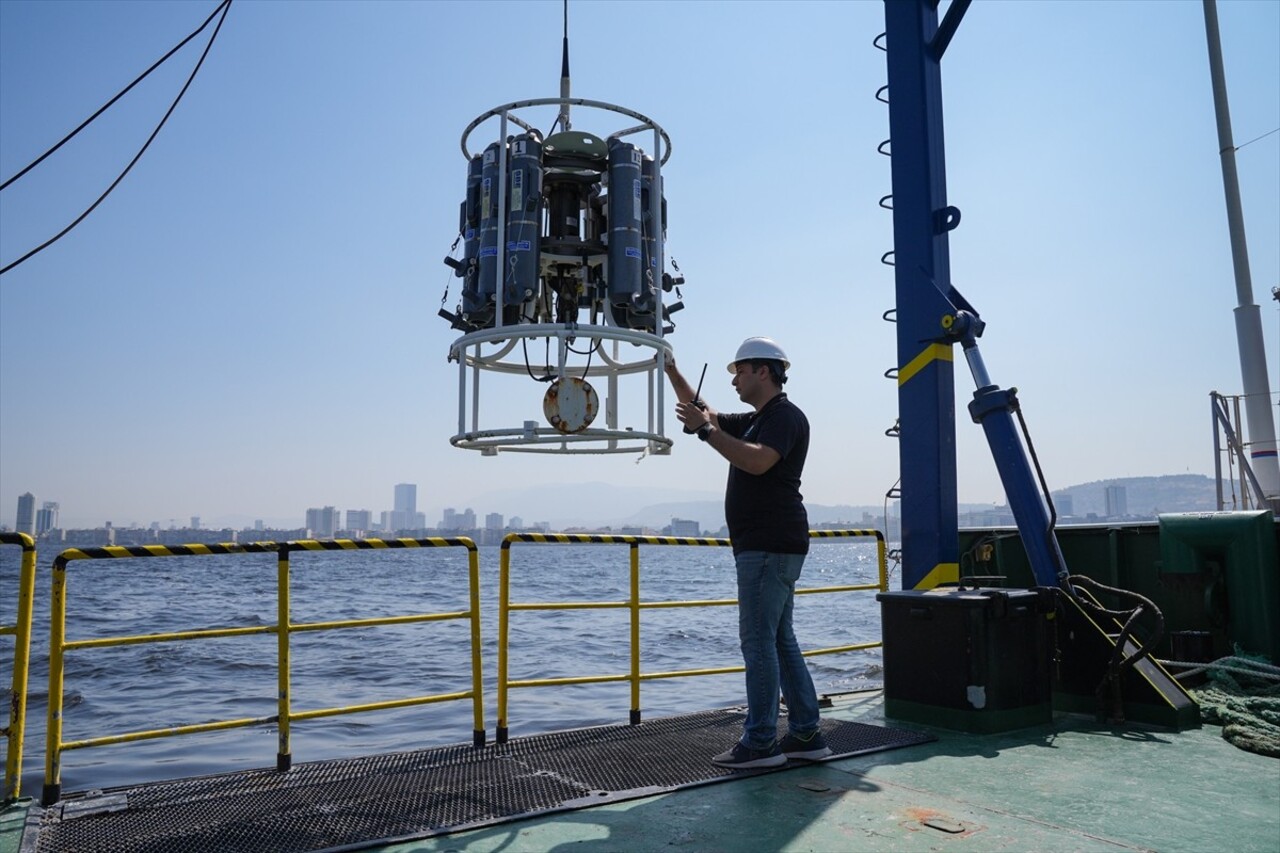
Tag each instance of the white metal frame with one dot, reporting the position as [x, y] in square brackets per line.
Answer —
[508, 343]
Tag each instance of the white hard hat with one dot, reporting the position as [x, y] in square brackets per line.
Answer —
[759, 348]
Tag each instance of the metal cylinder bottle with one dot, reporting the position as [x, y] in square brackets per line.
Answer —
[625, 254]
[471, 238]
[489, 225]
[524, 219]
[651, 279]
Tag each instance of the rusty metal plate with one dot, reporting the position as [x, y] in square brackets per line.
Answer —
[570, 404]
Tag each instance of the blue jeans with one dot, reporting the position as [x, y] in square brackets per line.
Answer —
[766, 594]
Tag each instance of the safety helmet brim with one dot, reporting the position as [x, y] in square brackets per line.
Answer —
[759, 349]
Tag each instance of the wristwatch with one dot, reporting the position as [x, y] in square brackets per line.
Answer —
[704, 431]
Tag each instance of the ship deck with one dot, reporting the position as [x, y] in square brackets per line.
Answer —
[1073, 784]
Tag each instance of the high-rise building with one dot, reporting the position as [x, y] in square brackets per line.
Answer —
[47, 518]
[467, 521]
[406, 497]
[322, 522]
[195, 522]
[516, 522]
[359, 519]
[405, 514]
[493, 521]
[1117, 502]
[26, 514]
[450, 519]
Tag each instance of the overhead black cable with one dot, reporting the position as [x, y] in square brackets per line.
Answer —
[225, 7]
[1255, 139]
[121, 94]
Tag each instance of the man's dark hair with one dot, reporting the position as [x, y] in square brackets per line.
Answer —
[776, 370]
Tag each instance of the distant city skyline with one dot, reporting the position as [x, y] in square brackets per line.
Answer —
[1085, 503]
[322, 521]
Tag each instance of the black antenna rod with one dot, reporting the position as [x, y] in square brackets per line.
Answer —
[564, 72]
[697, 396]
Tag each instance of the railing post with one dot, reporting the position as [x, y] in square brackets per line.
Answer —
[284, 758]
[504, 597]
[477, 675]
[635, 627]
[57, 638]
[21, 665]
[880, 562]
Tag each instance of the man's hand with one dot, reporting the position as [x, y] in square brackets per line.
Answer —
[693, 414]
[684, 391]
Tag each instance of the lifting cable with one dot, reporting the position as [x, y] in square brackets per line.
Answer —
[224, 7]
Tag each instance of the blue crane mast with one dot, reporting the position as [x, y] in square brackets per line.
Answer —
[933, 317]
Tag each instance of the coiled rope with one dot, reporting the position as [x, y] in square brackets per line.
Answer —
[1243, 696]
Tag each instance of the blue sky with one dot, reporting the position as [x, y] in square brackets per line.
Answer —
[247, 326]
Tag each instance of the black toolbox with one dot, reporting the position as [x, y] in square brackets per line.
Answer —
[972, 659]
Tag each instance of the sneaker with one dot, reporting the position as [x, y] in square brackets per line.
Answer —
[742, 757]
[811, 746]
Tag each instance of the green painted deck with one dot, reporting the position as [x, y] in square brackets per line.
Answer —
[1069, 785]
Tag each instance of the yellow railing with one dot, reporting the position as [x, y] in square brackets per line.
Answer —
[283, 628]
[633, 604]
[21, 632]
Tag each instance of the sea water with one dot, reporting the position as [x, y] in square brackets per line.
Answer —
[147, 686]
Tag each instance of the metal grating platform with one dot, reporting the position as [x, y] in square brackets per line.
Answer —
[350, 803]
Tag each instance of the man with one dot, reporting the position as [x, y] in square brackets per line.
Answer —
[766, 450]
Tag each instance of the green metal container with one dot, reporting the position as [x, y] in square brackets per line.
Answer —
[1235, 552]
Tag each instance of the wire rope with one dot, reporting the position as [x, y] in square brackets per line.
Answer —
[1239, 665]
[119, 95]
[1256, 138]
[225, 7]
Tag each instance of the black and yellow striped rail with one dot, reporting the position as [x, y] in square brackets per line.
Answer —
[21, 631]
[124, 551]
[285, 715]
[609, 539]
[634, 605]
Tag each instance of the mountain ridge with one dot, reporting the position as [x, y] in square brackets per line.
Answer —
[599, 504]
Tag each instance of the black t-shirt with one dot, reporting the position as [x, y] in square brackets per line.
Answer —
[765, 512]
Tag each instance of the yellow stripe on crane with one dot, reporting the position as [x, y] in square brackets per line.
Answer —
[930, 354]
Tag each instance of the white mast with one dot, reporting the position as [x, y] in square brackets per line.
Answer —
[1253, 354]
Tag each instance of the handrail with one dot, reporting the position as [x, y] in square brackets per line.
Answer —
[21, 632]
[1223, 424]
[284, 628]
[634, 605]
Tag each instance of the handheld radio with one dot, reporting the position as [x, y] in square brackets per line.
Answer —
[697, 396]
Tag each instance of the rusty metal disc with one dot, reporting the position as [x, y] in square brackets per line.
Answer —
[570, 404]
